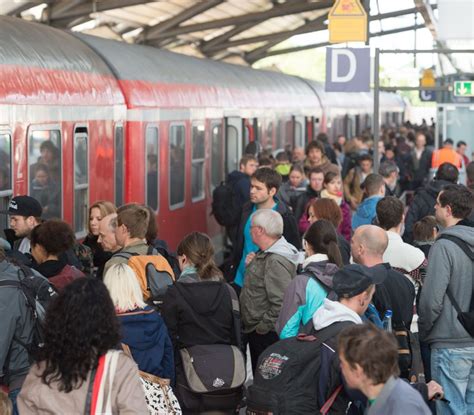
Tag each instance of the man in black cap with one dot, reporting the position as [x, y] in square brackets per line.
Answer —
[25, 214]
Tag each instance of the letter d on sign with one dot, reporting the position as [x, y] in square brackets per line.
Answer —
[347, 70]
[337, 55]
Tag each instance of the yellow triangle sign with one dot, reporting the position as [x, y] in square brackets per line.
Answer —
[347, 8]
[347, 22]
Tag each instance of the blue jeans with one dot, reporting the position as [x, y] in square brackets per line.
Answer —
[453, 369]
[13, 395]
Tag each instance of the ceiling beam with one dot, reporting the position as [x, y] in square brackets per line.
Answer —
[426, 10]
[57, 9]
[152, 32]
[283, 10]
[319, 45]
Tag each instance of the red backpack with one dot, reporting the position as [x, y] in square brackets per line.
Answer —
[67, 275]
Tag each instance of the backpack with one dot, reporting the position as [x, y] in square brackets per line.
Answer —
[287, 376]
[224, 205]
[67, 275]
[38, 293]
[153, 272]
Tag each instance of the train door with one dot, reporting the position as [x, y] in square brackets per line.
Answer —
[299, 124]
[6, 169]
[119, 150]
[233, 143]
[81, 181]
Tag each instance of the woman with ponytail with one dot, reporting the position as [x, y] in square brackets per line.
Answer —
[307, 291]
[198, 311]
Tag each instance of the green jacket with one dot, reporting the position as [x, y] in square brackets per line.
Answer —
[266, 279]
[140, 248]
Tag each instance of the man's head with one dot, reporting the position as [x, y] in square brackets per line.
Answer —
[368, 355]
[264, 184]
[389, 171]
[248, 164]
[448, 172]
[298, 155]
[420, 140]
[390, 212]
[365, 163]
[425, 230]
[266, 227]
[461, 147]
[107, 228]
[454, 203]
[25, 213]
[374, 185]
[132, 223]
[315, 152]
[316, 179]
[448, 143]
[368, 244]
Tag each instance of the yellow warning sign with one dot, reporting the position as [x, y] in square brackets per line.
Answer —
[347, 22]
[428, 78]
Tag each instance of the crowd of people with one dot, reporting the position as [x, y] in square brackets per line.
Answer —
[322, 247]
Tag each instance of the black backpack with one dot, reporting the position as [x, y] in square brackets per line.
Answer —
[38, 293]
[224, 205]
[287, 376]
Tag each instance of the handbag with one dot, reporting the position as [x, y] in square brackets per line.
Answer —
[159, 396]
[213, 374]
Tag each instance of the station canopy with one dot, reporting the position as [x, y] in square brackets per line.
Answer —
[237, 31]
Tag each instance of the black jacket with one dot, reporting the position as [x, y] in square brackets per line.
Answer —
[423, 205]
[199, 313]
[396, 293]
[302, 200]
[290, 230]
[240, 182]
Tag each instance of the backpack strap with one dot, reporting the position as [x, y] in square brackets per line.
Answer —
[330, 401]
[235, 314]
[459, 242]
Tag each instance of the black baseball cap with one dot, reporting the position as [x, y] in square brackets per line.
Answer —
[24, 206]
[354, 279]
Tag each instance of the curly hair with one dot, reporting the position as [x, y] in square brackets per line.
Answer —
[80, 326]
[54, 235]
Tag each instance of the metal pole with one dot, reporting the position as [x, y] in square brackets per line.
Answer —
[376, 110]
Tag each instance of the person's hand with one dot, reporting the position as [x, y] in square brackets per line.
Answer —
[435, 390]
[249, 258]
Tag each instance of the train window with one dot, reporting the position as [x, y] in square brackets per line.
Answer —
[177, 165]
[119, 166]
[81, 181]
[45, 176]
[5, 176]
[232, 144]
[197, 173]
[152, 170]
[217, 171]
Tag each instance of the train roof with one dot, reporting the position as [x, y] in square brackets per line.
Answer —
[43, 65]
[152, 77]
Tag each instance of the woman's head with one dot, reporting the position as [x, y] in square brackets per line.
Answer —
[333, 183]
[296, 175]
[325, 209]
[41, 175]
[196, 250]
[80, 326]
[321, 238]
[50, 239]
[124, 289]
[97, 212]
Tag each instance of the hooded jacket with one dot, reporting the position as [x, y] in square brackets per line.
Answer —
[366, 212]
[240, 182]
[422, 205]
[448, 268]
[305, 295]
[198, 312]
[144, 331]
[266, 279]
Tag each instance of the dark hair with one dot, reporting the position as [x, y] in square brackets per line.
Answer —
[372, 183]
[297, 167]
[80, 326]
[448, 141]
[49, 145]
[265, 161]
[54, 235]
[135, 218]
[389, 212]
[314, 145]
[327, 209]
[246, 158]
[322, 137]
[423, 229]
[152, 230]
[41, 166]
[330, 176]
[448, 172]
[459, 198]
[365, 157]
[461, 143]
[374, 350]
[322, 237]
[470, 172]
[198, 249]
[315, 170]
[269, 177]
[282, 156]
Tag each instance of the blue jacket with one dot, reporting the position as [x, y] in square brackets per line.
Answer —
[365, 213]
[145, 332]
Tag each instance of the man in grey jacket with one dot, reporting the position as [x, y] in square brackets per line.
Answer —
[16, 325]
[268, 273]
[449, 268]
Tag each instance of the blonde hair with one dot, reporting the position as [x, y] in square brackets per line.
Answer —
[105, 207]
[124, 289]
[5, 404]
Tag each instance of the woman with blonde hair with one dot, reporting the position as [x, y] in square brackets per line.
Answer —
[97, 212]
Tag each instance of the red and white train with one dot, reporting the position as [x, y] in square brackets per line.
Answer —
[131, 123]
